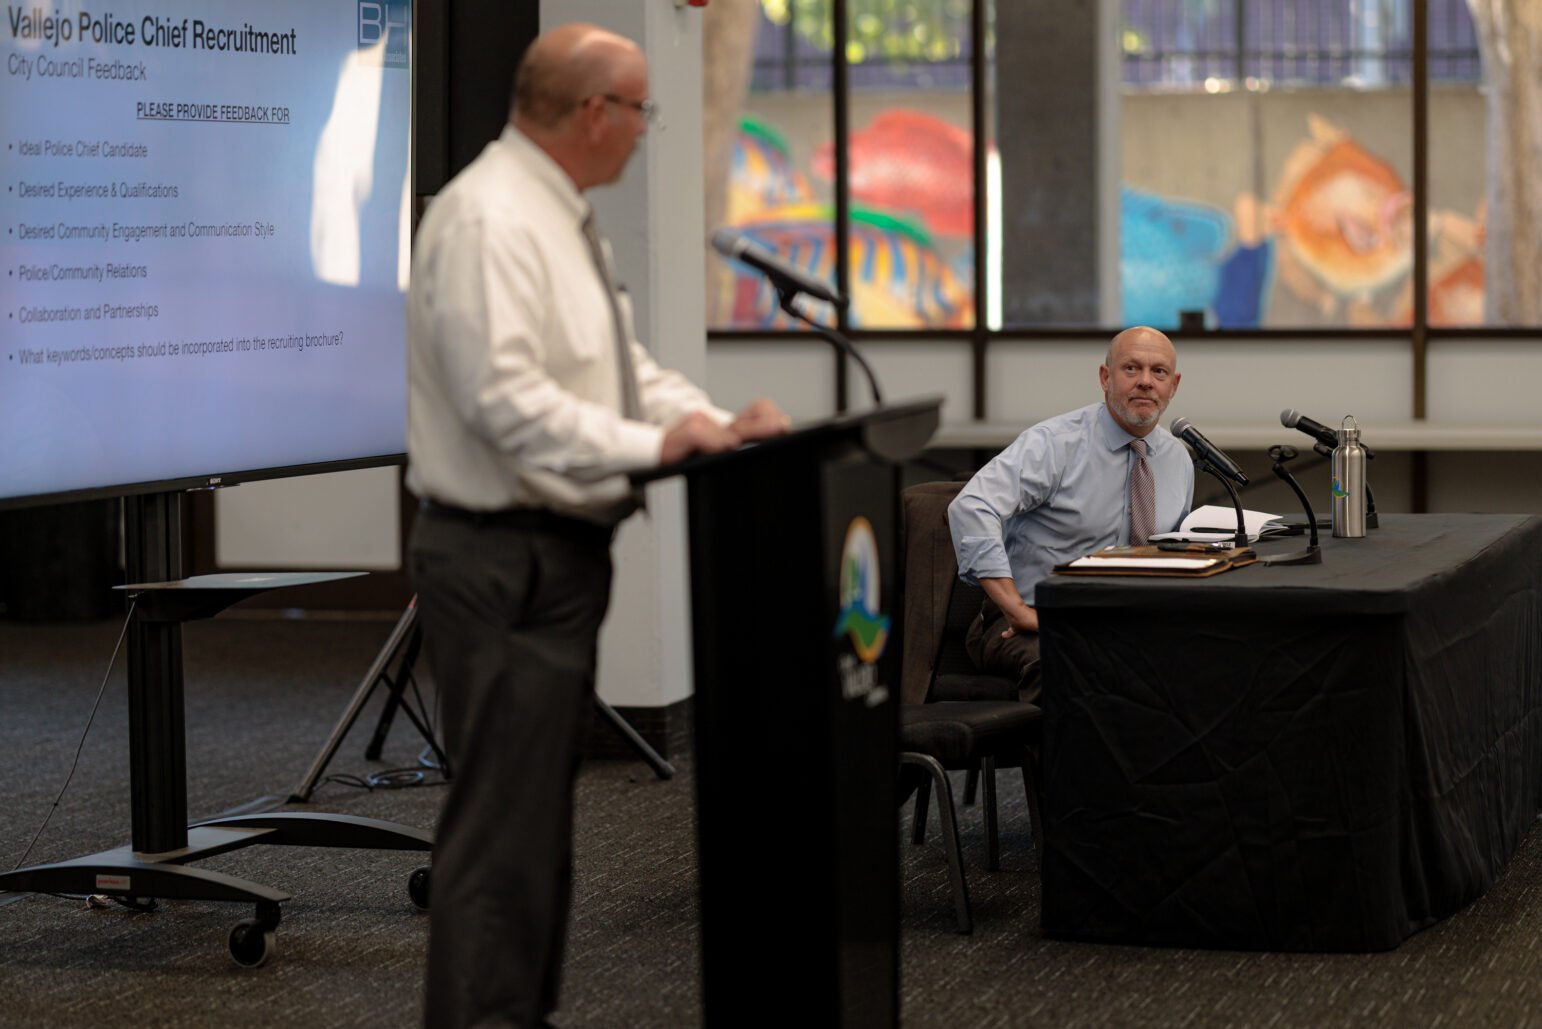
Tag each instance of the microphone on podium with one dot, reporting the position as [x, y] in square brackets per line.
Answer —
[783, 276]
[790, 283]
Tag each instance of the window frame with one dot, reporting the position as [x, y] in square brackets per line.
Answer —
[979, 337]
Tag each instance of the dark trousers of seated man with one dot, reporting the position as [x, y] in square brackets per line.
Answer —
[511, 620]
[1016, 657]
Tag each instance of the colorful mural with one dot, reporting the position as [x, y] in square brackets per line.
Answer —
[761, 176]
[1345, 221]
[897, 278]
[1336, 237]
[911, 164]
[1175, 255]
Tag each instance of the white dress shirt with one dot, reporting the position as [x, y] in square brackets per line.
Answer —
[514, 395]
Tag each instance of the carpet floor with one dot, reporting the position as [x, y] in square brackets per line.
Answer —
[262, 696]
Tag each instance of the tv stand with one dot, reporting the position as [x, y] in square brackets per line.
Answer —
[155, 864]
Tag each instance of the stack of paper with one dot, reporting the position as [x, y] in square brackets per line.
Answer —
[1213, 522]
[1165, 563]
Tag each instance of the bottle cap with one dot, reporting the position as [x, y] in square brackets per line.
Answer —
[1349, 433]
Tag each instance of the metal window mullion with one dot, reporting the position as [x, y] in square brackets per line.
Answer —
[977, 89]
[1240, 22]
[1421, 204]
[790, 52]
[840, 81]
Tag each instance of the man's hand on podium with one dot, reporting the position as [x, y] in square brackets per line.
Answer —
[697, 433]
[762, 419]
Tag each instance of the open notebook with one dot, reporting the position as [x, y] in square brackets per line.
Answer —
[1213, 523]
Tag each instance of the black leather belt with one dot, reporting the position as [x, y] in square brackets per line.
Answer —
[529, 519]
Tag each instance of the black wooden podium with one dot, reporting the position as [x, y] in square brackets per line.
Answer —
[793, 564]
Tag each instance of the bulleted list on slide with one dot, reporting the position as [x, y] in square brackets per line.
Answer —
[110, 203]
[205, 197]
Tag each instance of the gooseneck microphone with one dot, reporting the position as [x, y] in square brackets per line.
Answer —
[1293, 419]
[790, 283]
[1184, 430]
[1312, 555]
[785, 277]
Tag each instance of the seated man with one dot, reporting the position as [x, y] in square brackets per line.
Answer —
[1098, 476]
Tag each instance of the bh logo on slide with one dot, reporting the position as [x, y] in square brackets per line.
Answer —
[383, 25]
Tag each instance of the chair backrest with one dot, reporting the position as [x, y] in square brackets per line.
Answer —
[963, 605]
[927, 579]
[938, 607]
[955, 675]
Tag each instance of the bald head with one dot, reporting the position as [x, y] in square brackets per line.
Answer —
[581, 95]
[565, 66]
[1138, 334]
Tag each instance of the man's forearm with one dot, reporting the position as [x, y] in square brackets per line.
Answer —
[1003, 593]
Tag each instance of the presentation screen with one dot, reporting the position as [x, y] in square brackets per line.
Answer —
[205, 245]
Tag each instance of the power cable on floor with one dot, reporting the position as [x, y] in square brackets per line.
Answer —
[83, 733]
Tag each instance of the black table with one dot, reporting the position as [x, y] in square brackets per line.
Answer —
[1325, 757]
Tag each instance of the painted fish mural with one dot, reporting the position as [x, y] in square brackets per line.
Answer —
[1344, 213]
[762, 176]
[1337, 236]
[910, 163]
[898, 280]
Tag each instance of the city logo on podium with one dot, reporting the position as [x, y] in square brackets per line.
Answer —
[860, 620]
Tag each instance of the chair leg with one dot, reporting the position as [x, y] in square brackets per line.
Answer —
[1035, 816]
[971, 784]
[918, 819]
[949, 820]
[992, 843]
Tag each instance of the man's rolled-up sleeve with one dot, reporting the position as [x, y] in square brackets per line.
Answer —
[1014, 481]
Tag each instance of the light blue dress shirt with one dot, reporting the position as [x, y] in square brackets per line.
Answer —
[1059, 492]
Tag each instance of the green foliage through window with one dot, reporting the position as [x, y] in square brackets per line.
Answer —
[881, 30]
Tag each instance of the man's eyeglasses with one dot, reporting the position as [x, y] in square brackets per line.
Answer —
[649, 109]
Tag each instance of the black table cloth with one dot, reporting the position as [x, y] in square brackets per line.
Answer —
[1323, 757]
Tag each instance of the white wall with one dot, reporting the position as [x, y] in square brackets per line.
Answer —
[654, 219]
[341, 520]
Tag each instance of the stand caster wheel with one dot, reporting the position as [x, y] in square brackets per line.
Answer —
[417, 887]
[269, 914]
[251, 943]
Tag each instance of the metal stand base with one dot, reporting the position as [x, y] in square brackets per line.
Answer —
[403, 647]
[154, 865]
[126, 872]
[1309, 556]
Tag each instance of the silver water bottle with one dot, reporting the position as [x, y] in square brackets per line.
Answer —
[1349, 481]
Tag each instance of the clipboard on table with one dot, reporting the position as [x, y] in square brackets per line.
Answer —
[1195, 561]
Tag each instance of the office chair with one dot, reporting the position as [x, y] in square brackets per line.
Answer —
[952, 716]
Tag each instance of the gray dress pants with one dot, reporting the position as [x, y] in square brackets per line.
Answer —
[511, 612]
[1016, 657]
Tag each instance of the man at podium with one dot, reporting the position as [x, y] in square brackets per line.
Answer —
[528, 402]
[1102, 475]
